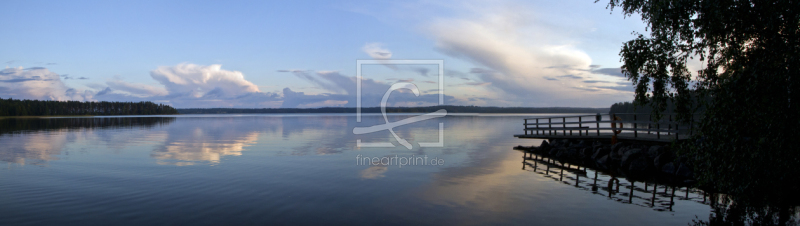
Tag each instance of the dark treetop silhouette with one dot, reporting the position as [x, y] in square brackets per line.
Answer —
[11, 107]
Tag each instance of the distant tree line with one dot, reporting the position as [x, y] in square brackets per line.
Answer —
[12, 107]
[449, 108]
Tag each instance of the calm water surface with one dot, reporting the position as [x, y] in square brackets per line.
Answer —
[301, 169]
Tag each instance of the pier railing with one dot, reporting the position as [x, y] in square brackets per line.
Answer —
[635, 125]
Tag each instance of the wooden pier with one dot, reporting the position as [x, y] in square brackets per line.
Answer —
[630, 127]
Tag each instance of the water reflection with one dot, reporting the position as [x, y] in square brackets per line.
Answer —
[30, 125]
[728, 210]
[35, 149]
[39, 140]
[651, 194]
[282, 169]
[194, 147]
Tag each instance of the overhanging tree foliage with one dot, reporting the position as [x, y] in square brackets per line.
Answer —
[748, 85]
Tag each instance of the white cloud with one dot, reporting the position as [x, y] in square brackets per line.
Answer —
[139, 90]
[37, 83]
[191, 85]
[343, 90]
[518, 52]
[199, 81]
[376, 51]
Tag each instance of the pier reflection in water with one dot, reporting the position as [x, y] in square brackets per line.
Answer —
[726, 210]
[660, 197]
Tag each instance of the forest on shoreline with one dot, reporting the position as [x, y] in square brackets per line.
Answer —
[15, 107]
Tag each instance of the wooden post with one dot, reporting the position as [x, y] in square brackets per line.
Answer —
[548, 168]
[672, 199]
[537, 126]
[526, 127]
[580, 124]
[635, 129]
[669, 125]
[658, 130]
[550, 125]
[564, 125]
[653, 199]
[598, 123]
[630, 194]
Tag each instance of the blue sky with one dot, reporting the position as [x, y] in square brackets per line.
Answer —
[303, 53]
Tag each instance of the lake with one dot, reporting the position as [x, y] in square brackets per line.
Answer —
[305, 169]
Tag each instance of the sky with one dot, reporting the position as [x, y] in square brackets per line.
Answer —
[272, 54]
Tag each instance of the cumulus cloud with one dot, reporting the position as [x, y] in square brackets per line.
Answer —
[37, 83]
[191, 85]
[199, 80]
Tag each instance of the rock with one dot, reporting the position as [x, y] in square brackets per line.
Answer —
[585, 153]
[567, 154]
[602, 162]
[544, 144]
[595, 146]
[600, 152]
[560, 152]
[663, 158]
[629, 156]
[555, 150]
[579, 144]
[654, 151]
[685, 171]
[639, 167]
[563, 143]
[615, 148]
[542, 150]
[668, 168]
[572, 155]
